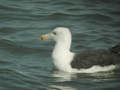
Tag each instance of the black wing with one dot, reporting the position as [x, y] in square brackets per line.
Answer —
[87, 59]
[116, 49]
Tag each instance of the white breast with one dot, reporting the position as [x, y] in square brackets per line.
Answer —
[62, 59]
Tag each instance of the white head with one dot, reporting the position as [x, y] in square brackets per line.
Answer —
[60, 35]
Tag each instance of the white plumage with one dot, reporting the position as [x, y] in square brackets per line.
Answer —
[61, 53]
[62, 56]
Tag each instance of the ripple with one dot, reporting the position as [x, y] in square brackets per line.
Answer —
[115, 13]
[18, 49]
[7, 30]
[7, 43]
[98, 17]
[5, 62]
[18, 80]
[62, 16]
[116, 24]
[10, 8]
[63, 3]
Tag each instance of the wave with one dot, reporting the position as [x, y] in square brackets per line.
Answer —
[63, 3]
[7, 30]
[89, 16]
[19, 49]
[11, 8]
[17, 79]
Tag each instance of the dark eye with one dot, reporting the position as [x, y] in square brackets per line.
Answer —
[54, 33]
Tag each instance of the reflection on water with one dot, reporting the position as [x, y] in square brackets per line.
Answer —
[64, 76]
[82, 79]
[62, 87]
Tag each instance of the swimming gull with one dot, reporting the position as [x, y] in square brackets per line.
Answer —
[89, 61]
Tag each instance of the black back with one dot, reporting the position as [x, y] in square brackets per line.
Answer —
[116, 49]
[87, 59]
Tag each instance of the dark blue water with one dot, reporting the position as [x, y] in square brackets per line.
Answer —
[25, 61]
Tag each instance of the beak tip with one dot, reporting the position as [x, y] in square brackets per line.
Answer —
[41, 38]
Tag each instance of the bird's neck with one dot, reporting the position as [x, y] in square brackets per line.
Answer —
[62, 56]
[62, 47]
[61, 50]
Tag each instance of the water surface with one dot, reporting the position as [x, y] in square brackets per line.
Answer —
[25, 61]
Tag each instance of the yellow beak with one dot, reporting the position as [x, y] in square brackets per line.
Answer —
[46, 36]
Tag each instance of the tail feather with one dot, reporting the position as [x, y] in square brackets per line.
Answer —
[116, 49]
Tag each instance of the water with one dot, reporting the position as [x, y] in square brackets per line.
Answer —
[25, 62]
